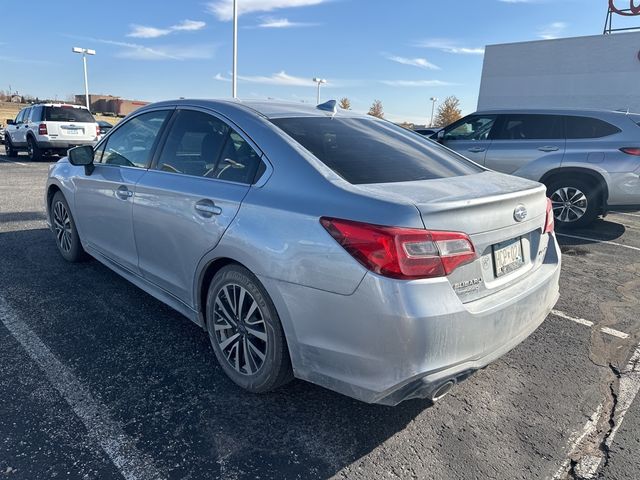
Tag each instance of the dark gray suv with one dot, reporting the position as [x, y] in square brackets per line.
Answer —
[589, 160]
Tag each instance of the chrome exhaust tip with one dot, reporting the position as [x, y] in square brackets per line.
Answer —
[442, 390]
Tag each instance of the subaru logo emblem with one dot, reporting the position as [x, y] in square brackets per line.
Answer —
[520, 213]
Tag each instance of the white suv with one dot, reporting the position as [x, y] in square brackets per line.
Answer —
[50, 129]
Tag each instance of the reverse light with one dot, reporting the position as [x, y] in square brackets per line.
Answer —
[549, 223]
[403, 253]
[42, 129]
[631, 151]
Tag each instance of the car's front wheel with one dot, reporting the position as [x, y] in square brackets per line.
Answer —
[64, 227]
[245, 331]
[575, 202]
[9, 149]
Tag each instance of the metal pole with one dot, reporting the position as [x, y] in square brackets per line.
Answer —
[86, 82]
[433, 107]
[234, 81]
[318, 95]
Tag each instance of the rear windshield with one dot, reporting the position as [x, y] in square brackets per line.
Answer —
[67, 114]
[369, 151]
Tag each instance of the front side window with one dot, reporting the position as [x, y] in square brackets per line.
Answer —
[131, 144]
[364, 151]
[588, 127]
[67, 114]
[476, 127]
[20, 116]
[200, 144]
[530, 127]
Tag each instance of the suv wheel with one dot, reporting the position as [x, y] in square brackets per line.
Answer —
[33, 150]
[575, 202]
[245, 331]
[9, 148]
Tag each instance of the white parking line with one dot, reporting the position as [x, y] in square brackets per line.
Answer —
[627, 213]
[101, 428]
[597, 240]
[12, 161]
[588, 323]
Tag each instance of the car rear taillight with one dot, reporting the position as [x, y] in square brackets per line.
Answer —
[403, 253]
[42, 129]
[549, 222]
[631, 151]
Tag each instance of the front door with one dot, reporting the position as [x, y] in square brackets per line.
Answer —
[185, 202]
[104, 199]
[470, 136]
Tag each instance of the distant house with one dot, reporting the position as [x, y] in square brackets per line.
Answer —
[15, 99]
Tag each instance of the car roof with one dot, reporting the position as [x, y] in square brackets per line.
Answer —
[553, 111]
[56, 105]
[265, 108]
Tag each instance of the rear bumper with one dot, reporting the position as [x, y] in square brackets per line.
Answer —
[393, 340]
[63, 144]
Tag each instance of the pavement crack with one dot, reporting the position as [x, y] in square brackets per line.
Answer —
[613, 387]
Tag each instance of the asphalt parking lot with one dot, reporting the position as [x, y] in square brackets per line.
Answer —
[100, 380]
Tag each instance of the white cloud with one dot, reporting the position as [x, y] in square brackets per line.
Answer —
[415, 62]
[166, 52]
[553, 30]
[281, 78]
[143, 31]
[450, 46]
[270, 22]
[416, 83]
[189, 25]
[223, 9]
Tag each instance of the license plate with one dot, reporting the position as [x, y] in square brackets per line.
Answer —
[72, 131]
[507, 257]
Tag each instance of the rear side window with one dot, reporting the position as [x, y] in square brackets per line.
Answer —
[370, 151]
[588, 127]
[67, 114]
[530, 127]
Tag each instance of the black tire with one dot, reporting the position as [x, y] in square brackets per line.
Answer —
[9, 149]
[33, 150]
[275, 369]
[66, 234]
[580, 195]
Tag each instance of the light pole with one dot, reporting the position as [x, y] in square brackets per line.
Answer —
[85, 52]
[433, 107]
[319, 81]
[234, 80]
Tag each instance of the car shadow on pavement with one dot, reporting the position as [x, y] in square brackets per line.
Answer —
[157, 375]
[600, 230]
[21, 216]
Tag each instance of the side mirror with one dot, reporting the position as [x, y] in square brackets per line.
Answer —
[440, 135]
[82, 156]
[10, 121]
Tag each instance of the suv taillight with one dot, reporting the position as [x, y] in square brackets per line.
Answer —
[403, 253]
[42, 129]
[631, 151]
[549, 223]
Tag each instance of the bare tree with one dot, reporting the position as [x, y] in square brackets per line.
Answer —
[345, 103]
[376, 109]
[448, 112]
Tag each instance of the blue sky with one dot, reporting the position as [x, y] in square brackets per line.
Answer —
[399, 51]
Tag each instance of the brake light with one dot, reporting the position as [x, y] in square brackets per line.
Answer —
[549, 223]
[42, 129]
[403, 253]
[631, 151]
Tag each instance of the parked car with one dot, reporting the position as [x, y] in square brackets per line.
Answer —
[103, 127]
[589, 160]
[427, 132]
[1, 133]
[49, 129]
[310, 242]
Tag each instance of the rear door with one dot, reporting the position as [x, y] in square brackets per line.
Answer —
[520, 139]
[104, 199]
[186, 201]
[470, 136]
[70, 123]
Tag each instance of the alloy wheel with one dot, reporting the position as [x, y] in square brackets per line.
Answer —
[569, 204]
[62, 226]
[240, 329]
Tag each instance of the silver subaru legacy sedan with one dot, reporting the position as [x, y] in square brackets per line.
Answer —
[314, 243]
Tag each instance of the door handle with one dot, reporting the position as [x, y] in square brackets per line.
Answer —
[476, 149]
[207, 208]
[123, 192]
[548, 148]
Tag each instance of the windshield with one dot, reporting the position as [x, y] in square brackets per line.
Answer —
[369, 151]
[67, 114]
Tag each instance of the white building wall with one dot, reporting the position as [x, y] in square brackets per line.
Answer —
[601, 71]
